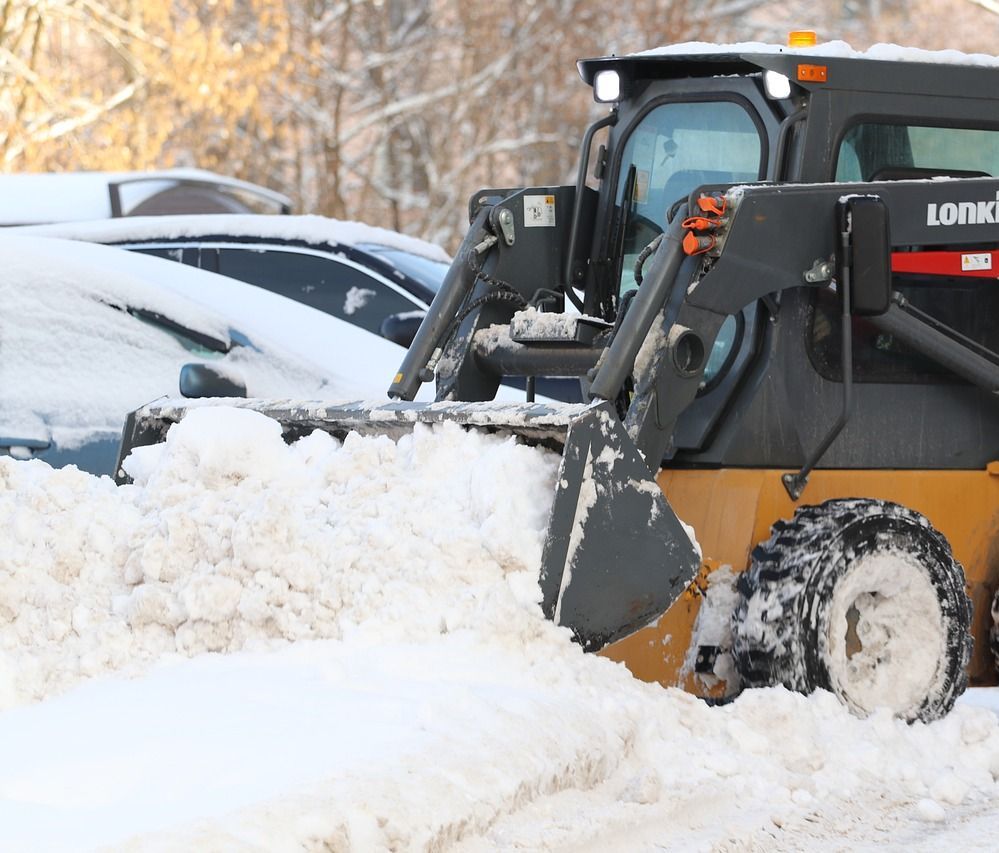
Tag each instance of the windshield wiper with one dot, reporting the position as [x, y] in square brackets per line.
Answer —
[154, 318]
[172, 326]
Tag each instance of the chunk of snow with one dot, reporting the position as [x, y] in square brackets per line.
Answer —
[356, 299]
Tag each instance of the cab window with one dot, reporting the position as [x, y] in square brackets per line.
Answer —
[967, 305]
[674, 149]
[886, 152]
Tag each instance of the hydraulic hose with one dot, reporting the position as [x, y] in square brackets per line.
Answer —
[457, 283]
[642, 313]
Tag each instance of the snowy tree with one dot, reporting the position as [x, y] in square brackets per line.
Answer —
[389, 111]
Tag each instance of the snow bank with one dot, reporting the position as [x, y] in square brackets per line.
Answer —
[230, 539]
[386, 679]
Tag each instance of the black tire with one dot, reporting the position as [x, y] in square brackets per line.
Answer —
[800, 596]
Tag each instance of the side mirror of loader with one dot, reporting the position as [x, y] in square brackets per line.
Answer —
[865, 253]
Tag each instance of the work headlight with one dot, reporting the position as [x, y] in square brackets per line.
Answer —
[607, 86]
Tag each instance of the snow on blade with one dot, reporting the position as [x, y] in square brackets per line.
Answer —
[382, 675]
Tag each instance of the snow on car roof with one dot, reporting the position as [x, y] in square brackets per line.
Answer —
[831, 49]
[309, 229]
[34, 198]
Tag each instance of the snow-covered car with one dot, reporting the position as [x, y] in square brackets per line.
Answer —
[34, 198]
[89, 333]
[378, 279]
[371, 277]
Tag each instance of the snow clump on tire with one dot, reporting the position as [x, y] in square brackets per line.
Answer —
[862, 598]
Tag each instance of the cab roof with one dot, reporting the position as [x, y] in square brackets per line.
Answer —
[883, 67]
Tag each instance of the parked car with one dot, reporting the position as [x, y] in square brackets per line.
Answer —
[89, 333]
[33, 198]
[371, 277]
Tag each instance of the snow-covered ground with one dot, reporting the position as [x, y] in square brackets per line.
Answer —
[339, 647]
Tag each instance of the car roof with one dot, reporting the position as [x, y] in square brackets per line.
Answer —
[307, 229]
[357, 363]
[35, 198]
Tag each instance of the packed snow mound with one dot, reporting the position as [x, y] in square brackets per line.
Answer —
[383, 676]
[230, 539]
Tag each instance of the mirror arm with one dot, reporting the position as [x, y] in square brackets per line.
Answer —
[795, 483]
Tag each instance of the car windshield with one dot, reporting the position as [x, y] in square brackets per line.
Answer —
[424, 270]
[674, 149]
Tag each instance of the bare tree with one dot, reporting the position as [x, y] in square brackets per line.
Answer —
[391, 111]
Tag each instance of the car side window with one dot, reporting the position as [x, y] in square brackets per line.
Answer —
[182, 254]
[323, 283]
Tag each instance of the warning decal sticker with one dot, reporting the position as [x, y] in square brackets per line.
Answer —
[539, 211]
[981, 261]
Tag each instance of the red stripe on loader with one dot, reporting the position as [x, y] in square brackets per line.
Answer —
[983, 264]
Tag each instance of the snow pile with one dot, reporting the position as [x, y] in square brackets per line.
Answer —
[357, 298]
[230, 539]
[423, 703]
[549, 325]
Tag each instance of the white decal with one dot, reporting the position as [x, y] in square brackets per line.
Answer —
[963, 213]
[539, 211]
[982, 261]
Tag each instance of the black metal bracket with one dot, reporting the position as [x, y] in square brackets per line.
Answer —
[795, 483]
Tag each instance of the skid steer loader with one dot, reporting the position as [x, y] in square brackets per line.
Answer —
[781, 274]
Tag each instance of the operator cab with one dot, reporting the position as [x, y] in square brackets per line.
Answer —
[689, 116]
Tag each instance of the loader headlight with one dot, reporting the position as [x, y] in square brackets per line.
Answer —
[606, 87]
[777, 85]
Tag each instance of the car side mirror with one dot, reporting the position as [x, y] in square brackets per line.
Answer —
[864, 253]
[402, 328]
[206, 380]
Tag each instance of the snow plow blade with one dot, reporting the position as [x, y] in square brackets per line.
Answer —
[615, 555]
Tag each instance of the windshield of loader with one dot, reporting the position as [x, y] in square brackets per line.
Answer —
[675, 148]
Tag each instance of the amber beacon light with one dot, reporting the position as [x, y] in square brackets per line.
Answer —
[801, 38]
